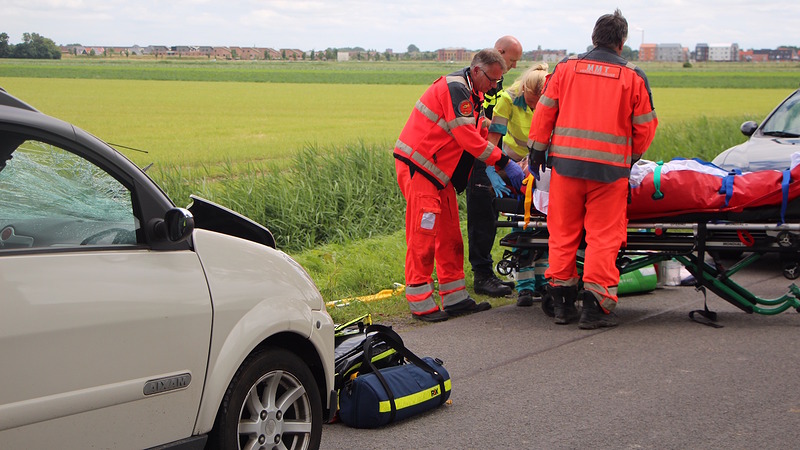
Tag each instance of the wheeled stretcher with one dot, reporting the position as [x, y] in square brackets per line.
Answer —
[708, 218]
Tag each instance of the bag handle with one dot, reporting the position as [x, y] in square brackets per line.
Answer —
[396, 342]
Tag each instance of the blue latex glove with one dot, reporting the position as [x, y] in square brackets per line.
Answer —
[515, 174]
[499, 186]
[536, 163]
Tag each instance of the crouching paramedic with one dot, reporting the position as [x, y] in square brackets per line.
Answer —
[596, 117]
[434, 156]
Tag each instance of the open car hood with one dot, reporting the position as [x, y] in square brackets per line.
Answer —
[213, 217]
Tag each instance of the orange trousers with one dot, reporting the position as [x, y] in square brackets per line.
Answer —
[433, 235]
[601, 210]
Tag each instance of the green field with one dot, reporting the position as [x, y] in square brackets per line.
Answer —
[192, 124]
[305, 148]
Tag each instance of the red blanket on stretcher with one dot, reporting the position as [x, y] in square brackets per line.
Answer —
[692, 186]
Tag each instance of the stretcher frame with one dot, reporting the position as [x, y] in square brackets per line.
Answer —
[688, 240]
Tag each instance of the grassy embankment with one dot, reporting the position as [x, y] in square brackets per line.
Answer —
[311, 158]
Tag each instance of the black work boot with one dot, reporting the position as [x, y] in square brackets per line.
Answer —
[490, 285]
[564, 311]
[466, 306]
[593, 316]
[436, 316]
[525, 298]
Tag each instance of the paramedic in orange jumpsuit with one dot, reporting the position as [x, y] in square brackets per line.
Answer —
[595, 119]
[434, 156]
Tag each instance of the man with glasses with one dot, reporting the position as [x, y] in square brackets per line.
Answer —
[481, 215]
[434, 156]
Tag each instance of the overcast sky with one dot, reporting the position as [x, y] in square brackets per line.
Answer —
[395, 24]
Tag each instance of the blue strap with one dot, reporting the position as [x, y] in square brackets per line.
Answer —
[727, 185]
[787, 178]
[657, 195]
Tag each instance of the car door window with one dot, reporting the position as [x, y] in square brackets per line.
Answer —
[50, 197]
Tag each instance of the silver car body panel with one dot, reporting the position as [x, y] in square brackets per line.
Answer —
[83, 332]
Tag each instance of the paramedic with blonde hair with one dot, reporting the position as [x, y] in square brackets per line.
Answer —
[511, 124]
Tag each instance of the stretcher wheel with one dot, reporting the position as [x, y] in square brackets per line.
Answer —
[791, 271]
[786, 240]
[505, 267]
[547, 305]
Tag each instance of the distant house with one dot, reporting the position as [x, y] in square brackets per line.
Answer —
[548, 56]
[222, 53]
[647, 52]
[670, 53]
[157, 50]
[754, 55]
[453, 54]
[236, 52]
[701, 52]
[723, 52]
[292, 53]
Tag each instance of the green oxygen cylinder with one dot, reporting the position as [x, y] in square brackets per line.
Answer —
[638, 281]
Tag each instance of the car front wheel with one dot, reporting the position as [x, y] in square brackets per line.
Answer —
[271, 403]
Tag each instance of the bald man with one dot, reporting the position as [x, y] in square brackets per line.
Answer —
[481, 230]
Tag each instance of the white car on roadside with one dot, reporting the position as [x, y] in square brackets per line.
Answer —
[129, 323]
[770, 145]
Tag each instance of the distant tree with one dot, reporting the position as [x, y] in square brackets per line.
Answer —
[413, 48]
[35, 46]
[629, 54]
[234, 54]
[283, 54]
[331, 54]
[5, 48]
[93, 53]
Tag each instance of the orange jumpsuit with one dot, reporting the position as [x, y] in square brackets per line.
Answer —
[595, 118]
[434, 156]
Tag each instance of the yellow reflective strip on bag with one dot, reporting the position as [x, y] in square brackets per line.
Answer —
[413, 399]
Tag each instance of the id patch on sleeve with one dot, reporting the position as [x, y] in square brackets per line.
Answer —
[465, 108]
[595, 68]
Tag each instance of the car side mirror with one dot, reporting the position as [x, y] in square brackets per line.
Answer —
[748, 128]
[176, 226]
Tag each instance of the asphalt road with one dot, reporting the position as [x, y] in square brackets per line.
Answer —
[657, 381]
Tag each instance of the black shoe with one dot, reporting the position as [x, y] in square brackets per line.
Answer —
[491, 286]
[511, 284]
[525, 298]
[593, 316]
[436, 316]
[466, 307]
[564, 311]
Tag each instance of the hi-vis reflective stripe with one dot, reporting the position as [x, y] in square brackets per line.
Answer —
[423, 162]
[536, 145]
[593, 135]
[486, 153]
[430, 115]
[413, 399]
[461, 121]
[519, 141]
[589, 154]
[644, 118]
[497, 120]
[547, 101]
[453, 285]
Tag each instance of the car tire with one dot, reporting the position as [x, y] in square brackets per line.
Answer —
[290, 413]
